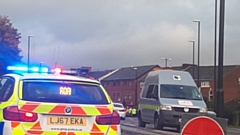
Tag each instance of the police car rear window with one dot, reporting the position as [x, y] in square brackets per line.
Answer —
[63, 92]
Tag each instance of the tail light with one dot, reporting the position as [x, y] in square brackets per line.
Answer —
[121, 110]
[12, 113]
[110, 119]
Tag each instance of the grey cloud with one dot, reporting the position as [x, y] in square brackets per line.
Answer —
[112, 34]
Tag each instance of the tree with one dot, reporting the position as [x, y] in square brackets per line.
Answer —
[9, 41]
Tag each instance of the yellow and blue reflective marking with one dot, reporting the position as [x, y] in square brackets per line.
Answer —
[151, 107]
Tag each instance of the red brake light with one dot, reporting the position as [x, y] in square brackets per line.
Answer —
[12, 113]
[110, 119]
[57, 70]
[121, 110]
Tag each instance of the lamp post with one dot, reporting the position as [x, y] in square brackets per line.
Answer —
[29, 49]
[220, 91]
[215, 59]
[166, 59]
[136, 95]
[198, 21]
[193, 55]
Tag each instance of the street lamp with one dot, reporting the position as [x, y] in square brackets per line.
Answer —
[136, 95]
[166, 59]
[215, 58]
[29, 48]
[198, 21]
[193, 55]
[220, 91]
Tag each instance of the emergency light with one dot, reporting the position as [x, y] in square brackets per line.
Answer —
[61, 71]
[25, 69]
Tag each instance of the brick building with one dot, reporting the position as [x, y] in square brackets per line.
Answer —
[123, 83]
[231, 81]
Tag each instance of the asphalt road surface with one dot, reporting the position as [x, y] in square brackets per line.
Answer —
[130, 127]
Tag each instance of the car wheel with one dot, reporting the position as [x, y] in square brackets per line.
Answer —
[140, 122]
[157, 123]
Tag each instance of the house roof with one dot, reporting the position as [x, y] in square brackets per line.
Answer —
[207, 72]
[99, 74]
[130, 73]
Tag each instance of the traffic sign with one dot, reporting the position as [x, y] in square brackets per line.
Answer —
[202, 125]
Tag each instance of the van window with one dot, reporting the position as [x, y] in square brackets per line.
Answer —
[155, 90]
[150, 91]
[180, 92]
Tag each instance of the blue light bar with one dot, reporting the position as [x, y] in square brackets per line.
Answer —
[31, 69]
[19, 68]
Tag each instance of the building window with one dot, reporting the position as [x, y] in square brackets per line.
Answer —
[125, 95]
[118, 96]
[114, 95]
[210, 95]
[118, 83]
[129, 83]
[114, 83]
[126, 83]
[205, 84]
[129, 95]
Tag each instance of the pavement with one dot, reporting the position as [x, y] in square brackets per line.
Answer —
[130, 127]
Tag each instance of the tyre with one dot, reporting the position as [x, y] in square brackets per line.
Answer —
[140, 122]
[157, 123]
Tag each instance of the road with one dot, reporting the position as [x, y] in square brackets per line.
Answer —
[130, 127]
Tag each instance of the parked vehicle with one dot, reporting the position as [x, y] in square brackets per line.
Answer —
[166, 95]
[120, 109]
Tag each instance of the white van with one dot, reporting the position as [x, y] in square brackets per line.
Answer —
[166, 95]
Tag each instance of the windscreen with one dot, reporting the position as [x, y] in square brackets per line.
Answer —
[63, 92]
[118, 105]
[180, 92]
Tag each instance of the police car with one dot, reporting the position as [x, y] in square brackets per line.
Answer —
[54, 104]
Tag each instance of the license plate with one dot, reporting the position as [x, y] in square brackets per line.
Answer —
[63, 120]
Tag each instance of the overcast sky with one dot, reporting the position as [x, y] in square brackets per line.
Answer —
[107, 34]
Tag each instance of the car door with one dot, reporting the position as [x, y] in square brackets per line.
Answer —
[154, 102]
[6, 90]
[146, 112]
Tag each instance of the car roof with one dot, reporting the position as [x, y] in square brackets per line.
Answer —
[30, 76]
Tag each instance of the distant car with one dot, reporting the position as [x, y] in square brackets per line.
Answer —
[120, 109]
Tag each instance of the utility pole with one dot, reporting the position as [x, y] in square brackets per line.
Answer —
[220, 92]
[215, 59]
